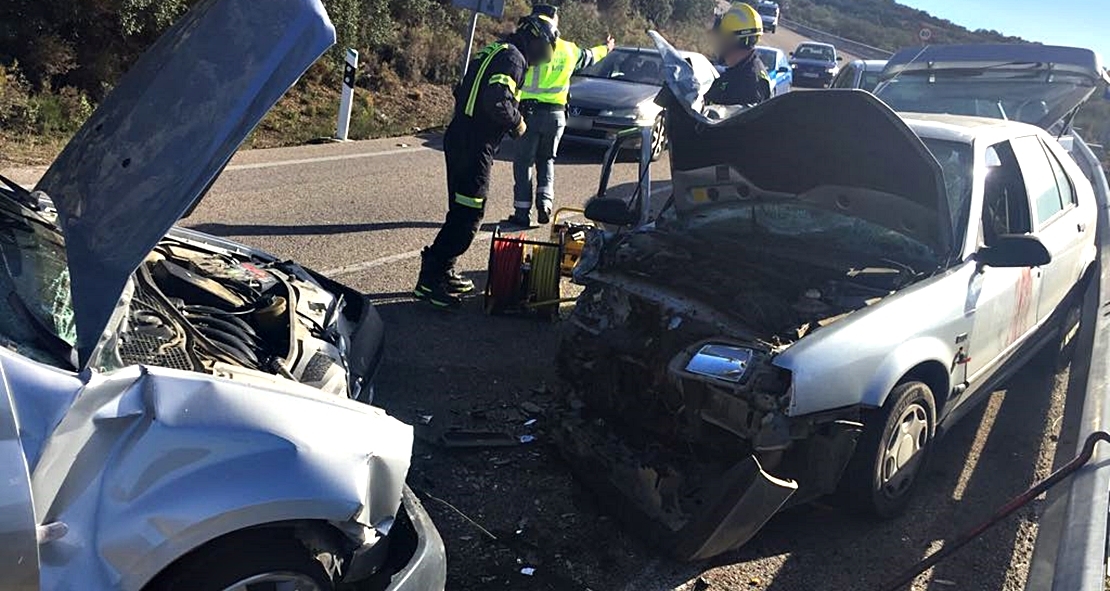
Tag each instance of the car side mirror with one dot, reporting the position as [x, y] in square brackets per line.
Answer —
[612, 211]
[783, 70]
[1014, 250]
[791, 54]
[839, 58]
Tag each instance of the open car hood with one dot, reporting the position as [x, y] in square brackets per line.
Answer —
[844, 151]
[1036, 84]
[162, 136]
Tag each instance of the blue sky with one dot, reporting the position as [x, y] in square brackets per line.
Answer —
[1084, 23]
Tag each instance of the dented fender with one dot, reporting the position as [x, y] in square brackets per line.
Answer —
[150, 463]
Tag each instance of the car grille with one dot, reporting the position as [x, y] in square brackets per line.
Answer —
[574, 111]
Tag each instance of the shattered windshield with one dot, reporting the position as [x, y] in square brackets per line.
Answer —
[643, 67]
[784, 225]
[955, 160]
[35, 302]
[1018, 94]
[767, 10]
[814, 52]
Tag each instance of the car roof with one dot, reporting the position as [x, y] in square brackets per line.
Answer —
[873, 65]
[965, 129]
[942, 56]
[653, 51]
[816, 44]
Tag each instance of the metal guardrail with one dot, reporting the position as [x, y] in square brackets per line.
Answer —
[851, 46]
[1081, 543]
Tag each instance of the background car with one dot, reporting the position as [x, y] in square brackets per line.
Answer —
[619, 92]
[778, 68]
[179, 411]
[815, 64]
[769, 12]
[861, 74]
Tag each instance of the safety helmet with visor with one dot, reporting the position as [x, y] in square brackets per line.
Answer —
[740, 26]
[539, 33]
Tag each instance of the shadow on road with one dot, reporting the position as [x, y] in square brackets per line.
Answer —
[226, 230]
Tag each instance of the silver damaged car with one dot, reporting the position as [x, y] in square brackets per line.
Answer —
[178, 411]
[807, 318]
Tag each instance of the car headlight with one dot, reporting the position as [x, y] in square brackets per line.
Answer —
[723, 362]
[643, 113]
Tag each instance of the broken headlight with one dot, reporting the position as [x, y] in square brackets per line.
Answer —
[723, 362]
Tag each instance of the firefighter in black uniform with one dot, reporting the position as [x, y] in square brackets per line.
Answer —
[745, 82]
[486, 108]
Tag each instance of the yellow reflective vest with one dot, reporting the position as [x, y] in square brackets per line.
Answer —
[550, 82]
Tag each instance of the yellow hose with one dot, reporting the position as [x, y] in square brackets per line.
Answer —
[545, 275]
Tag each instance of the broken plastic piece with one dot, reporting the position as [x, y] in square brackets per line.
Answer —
[477, 439]
[529, 422]
[527, 571]
[527, 438]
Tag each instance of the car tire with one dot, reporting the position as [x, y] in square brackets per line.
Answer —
[251, 558]
[891, 453]
[659, 137]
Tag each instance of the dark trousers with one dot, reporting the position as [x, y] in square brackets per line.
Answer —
[469, 161]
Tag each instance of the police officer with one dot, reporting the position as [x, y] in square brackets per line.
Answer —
[543, 99]
[745, 82]
[486, 108]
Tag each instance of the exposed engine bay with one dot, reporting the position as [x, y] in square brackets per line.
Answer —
[673, 402]
[196, 307]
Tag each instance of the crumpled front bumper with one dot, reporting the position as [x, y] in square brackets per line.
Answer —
[691, 510]
[416, 561]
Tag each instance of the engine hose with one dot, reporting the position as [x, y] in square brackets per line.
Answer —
[228, 316]
[505, 273]
[240, 329]
[218, 337]
[545, 275]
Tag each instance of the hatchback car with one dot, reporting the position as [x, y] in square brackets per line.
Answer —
[861, 74]
[179, 411]
[618, 93]
[815, 64]
[807, 318]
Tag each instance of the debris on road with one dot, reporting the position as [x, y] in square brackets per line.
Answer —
[464, 439]
[527, 438]
[531, 408]
[527, 571]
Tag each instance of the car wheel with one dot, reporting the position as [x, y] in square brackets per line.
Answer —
[658, 137]
[891, 452]
[246, 562]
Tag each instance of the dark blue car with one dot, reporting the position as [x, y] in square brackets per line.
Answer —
[815, 64]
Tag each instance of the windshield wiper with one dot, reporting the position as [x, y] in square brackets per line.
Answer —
[17, 193]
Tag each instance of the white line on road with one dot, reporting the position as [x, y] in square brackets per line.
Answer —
[393, 258]
[276, 163]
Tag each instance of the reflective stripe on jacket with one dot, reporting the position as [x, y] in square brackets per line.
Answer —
[550, 82]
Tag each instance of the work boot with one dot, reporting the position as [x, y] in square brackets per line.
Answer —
[543, 216]
[433, 284]
[457, 283]
[517, 221]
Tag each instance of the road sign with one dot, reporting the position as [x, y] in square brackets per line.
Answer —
[494, 8]
[925, 35]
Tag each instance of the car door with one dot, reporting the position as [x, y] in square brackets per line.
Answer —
[1002, 301]
[785, 75]
[19, 558]
[1054, 202]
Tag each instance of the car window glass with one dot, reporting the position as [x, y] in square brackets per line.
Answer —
[628, 65]
[955, 159]
[1040, 182]
[843, 79]
[1005, 202]
[869, 80]
[1063, 181]
[815, 52]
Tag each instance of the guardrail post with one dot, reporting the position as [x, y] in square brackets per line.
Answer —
[346, 99]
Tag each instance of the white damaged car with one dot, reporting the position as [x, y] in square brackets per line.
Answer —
[808, 317]
[178, 411]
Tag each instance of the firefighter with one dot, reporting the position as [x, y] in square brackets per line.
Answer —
[486, 108]
[745, 82]
[543, 100]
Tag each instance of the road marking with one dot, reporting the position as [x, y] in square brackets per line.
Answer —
[393, 258]
[277, 163]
